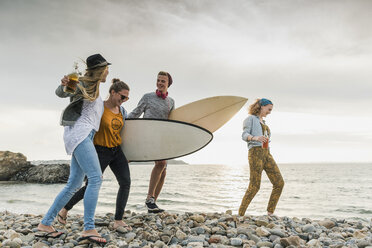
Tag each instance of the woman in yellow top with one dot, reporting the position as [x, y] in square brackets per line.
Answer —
[107, 143]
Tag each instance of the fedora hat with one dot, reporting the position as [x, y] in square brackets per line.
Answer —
[96, 60]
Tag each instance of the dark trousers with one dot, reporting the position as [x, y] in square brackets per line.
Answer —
[115, 158]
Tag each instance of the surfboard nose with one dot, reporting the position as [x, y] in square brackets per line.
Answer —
[210, 113]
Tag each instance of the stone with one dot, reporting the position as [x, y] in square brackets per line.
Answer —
[181, 235]
[39, 245]
[292, 240]
[254, 238]
[236, 242]
[277, 232]
[129, 237]
[314, 243]
[327, 223]
[11, 244]
[214, 239]
[262, 232]
[198, 218]
[308, 228]
[12, 163]
[264, 244]
[261, 222]
[159, 244]
[359, 235]
[44, 173]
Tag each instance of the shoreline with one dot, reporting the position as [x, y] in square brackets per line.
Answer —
[217, 230]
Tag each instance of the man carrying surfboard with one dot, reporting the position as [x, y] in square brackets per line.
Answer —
[156, 105]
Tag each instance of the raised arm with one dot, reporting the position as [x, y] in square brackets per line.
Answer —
[59, 91]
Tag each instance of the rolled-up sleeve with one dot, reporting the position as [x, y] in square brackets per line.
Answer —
[247, 128]
[59, 92]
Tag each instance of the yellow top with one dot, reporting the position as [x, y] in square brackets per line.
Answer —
[108, 134]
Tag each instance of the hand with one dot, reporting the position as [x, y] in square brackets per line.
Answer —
[261, 139]
[64, 80]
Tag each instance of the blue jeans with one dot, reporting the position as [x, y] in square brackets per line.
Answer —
[84, 161]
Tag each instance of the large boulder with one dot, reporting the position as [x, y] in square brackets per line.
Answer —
[11, 163]
[44, 173]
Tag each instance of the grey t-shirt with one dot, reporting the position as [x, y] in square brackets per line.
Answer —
[153, 106]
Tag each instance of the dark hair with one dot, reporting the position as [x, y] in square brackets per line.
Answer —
[118, 85]
[163, 73]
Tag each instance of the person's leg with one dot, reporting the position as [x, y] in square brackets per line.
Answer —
[86, 156]
[155, 177]
[120, 168]
[160, 184]
[255, 166]
[79, 195]
[74, 182]
[273, 173]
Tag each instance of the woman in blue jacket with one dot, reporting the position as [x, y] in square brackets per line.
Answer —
[257, 134]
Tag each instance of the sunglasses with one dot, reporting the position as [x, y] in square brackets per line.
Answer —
[124, 98]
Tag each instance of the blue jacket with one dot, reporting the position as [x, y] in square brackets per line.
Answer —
[252, 127]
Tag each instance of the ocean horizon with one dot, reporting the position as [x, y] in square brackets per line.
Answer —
[312, 190]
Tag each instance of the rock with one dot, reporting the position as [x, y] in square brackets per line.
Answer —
[292, 240]
[44, 173]
[327, 223]
[39, 245]
[254, 238]
[198, 218]
[229, 212]
[236, 242]
[277, 232]
[214, 239]
[11, 244]
[11, 163]
[260, 222]
[262, 232]
[181, 235]
[308, 228]
[129, 237]
[359, 235]
[159, 244]
[363, 243]
[264, 244]
[314, 243]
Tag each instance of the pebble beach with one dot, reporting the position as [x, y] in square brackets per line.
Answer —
[193, 230]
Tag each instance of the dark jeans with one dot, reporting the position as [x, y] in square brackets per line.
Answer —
[115, 158]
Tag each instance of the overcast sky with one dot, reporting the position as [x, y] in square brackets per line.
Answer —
[311, 58]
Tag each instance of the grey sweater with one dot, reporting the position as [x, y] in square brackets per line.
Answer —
[153, 106]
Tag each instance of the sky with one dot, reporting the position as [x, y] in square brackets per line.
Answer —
[311, 58]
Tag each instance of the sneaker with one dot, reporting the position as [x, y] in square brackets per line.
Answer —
[152, 207]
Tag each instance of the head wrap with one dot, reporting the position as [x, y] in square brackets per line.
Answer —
[264, 102]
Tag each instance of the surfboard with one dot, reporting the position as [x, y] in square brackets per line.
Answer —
[154, 139]
[210, 113]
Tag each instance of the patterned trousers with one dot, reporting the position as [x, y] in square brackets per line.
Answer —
[261, 159]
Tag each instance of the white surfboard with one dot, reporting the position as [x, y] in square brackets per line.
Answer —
[153, 139]
[210, 113]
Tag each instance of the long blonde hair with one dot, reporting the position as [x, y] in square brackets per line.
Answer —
[91, 81]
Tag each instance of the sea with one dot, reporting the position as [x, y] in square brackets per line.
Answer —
[316, 191]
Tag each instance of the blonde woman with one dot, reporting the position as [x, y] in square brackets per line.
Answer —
[81, 120]
[257, 134]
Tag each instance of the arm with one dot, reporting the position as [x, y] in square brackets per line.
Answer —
[139, 109]
[247, 129]
[59, 91]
